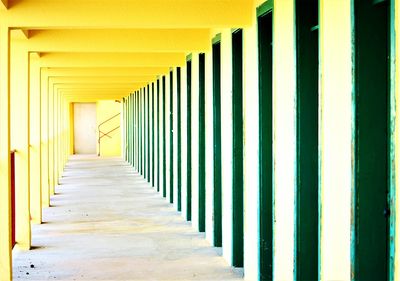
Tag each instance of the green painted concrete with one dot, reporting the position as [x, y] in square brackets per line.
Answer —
[189, 141]
[202, 145]
[371, 247]
[307, 197]
[216, 53]
[237, 169]
[265, 21]
[179, 138]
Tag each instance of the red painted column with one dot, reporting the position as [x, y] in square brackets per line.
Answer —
[13, 197]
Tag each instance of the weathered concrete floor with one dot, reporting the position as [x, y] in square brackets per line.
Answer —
[107, 223]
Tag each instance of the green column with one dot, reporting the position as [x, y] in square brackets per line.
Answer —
[265, 22]
[237, 169]
[202, 145]
[179, 138]
[189, 140]
[171, 137]
[216, 53]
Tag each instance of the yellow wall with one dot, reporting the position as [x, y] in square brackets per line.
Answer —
[71, 130]
[284, 149]
[5, 194]
[336, 140]
[19, 106]
[34, 141]
[44, 138]
[105, 110]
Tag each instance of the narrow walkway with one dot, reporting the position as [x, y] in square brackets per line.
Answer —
[107, 223]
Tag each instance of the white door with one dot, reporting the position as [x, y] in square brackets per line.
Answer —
[85, 137]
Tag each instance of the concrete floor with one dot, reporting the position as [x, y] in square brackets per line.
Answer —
[106, 223]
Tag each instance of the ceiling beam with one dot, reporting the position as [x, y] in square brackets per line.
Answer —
[94, 93]
[18, 34]
[50, 14]
[119, 41]
[80, 95]
[106, 71]
[112, 60]
[127, 91]
[95, 87]
[77, 98]
[101, 80]
[4, 4]
[90, 99]
[26, 33]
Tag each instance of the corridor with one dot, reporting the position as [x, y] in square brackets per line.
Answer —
[107, 223]
[255, 140]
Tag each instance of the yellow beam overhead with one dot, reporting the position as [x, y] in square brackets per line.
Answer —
[78, 100]
[110, 71]
[50, 14]
[120, 41]
[81, 96]
[112, 59]
[34, 55]
[26, 33]
[4, 4]
[98, 87]
[96, 92]
[78, 95]
[19, 34]
[101, 80]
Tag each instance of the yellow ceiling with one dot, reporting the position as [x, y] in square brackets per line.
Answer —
[116, 46]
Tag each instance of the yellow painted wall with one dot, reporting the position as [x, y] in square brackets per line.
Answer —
[183, 140]
[195, 140]
[34, 141]
[284, 131]
[44, 138]
[71, 129]
[336, 140]
[250, 148]
[226, 141]
[5, 194]
[105, 110]
[19, 100]
[209, 147]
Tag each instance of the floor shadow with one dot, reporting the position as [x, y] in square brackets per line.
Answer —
[36, 248]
